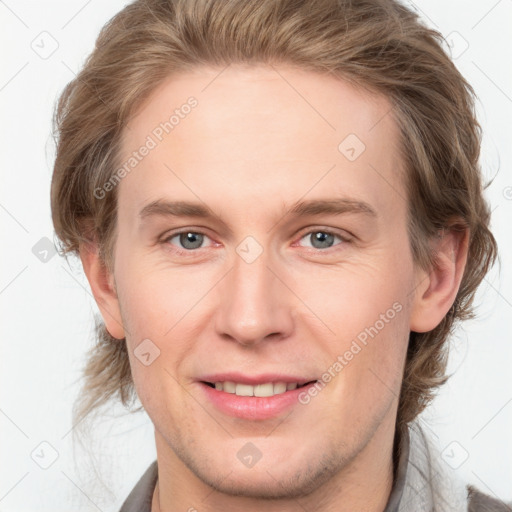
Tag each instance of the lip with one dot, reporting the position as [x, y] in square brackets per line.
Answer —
[252, 407]
[254, 379]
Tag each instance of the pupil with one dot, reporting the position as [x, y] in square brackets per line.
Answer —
[191, 240]
[321, 240]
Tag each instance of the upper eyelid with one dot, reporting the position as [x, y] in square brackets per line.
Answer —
[320, 229]
[303, 232]
[167, 238]
[172, 234]
[341, 233]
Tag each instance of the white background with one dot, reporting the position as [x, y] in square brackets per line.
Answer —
[47, 309]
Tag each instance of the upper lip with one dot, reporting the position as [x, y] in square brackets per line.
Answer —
[254, 380]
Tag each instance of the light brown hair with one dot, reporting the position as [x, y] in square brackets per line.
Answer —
[377, 44]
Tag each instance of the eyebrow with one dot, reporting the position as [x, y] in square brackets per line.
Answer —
[175, 209]
[335, 206]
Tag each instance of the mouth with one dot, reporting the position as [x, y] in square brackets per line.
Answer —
[254, 398]
[263, 390]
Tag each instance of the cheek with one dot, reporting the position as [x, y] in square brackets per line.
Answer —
[157, 301]
[163, 312]
[372, 365]
[364, 311]
[353, 297]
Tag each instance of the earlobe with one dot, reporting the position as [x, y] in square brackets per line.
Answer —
[437, 289]
[103, 289]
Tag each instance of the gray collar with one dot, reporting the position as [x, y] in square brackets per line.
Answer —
[401, 456]
[424, 482]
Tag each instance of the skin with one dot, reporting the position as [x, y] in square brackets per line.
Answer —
[252, 148]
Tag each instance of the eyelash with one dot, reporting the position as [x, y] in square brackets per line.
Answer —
[342, 238]
[188, 252]
[179, 250]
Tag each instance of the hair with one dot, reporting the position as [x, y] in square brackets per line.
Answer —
[379, 45]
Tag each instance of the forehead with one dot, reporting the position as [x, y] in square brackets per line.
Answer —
[246, 132]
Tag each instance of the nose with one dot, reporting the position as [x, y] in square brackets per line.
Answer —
[255, 305]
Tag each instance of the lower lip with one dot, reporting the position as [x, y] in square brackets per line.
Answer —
[253, 407]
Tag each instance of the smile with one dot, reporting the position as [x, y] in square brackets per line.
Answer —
[253, 398]
[266, 389]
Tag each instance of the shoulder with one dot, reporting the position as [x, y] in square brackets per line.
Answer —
[141, 496]
[480, 502]
[435, 484]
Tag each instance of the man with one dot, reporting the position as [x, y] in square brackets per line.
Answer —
[279, 210]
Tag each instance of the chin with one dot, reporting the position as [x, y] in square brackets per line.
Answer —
[271, 478]
[267, 486]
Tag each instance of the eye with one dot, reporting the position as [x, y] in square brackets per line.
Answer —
[188, 240]
[321, 239]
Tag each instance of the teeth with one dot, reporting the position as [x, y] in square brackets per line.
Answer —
[264, 389]
[244, 390]
[279, 387]
[260, 390]
[228, 387]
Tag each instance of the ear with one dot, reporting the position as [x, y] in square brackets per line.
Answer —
[437, 289]
[103, 288]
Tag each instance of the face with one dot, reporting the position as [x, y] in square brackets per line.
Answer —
[262, 248]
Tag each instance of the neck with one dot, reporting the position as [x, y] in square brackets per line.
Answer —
[364, 484]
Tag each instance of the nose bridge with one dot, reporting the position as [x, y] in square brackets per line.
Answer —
[253, 304]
